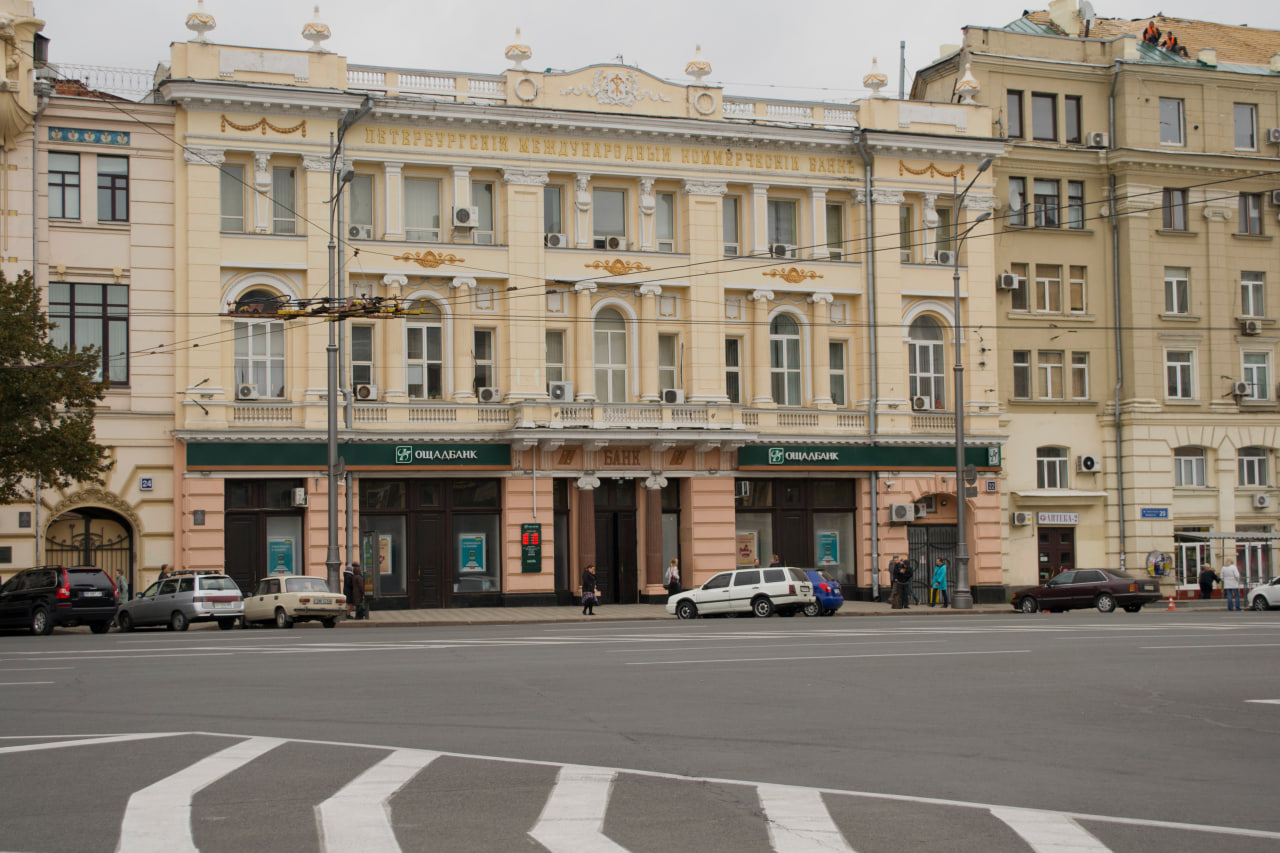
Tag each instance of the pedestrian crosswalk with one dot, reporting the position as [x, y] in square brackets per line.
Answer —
[211, 792]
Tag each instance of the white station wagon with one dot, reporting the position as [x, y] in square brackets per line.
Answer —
[758, 591]
[286, 599]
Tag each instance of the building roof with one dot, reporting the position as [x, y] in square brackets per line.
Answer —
[1235, 44]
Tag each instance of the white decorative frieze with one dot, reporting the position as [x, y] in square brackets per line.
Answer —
[705, 188]
[525, 177]
[204, 156]
[615, 87]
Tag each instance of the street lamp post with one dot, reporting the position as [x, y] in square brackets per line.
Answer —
[962, 598]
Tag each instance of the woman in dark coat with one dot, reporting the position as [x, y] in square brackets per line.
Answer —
[589, 590]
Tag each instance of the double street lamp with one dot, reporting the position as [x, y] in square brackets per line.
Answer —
[962, 598]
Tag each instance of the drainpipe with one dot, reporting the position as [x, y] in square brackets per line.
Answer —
[873, 391]
[1115, 296]
[43, 88]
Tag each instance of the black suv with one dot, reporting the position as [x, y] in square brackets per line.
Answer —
[42, 598]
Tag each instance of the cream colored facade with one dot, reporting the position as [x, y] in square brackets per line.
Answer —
[1177, 148]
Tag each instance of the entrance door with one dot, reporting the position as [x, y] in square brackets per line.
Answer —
[925, 544]
[616, 564]
[427, 581]
[793, 540]
[1057, 551]
[240, 549]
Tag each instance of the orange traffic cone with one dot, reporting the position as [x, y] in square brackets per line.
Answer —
[1171, 606]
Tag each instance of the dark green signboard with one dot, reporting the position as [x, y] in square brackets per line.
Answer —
[799, 456]
[530, 548]
[316, 455]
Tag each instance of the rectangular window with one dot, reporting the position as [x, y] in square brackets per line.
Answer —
[906, 233]
[1044, 117]
[1050, 371]
[362, 355]
[284, 200]
[360, 201]
[944, 231]
[1049, 288]
[64, 186]
[1022, 374]
[838, 371]
[1174, 208]
[1017, 201]
[782, 222]
[259, 354]
[482, 200]
[1252, 290]
[232, 197]
[1178, 372]
[1080, 375]
[552, 209]
[1077, 288]
[1046, 203]
[1246, 122]
[733, 369]
[1021, 294]
[1075, 204]
[1071, 118]
[668, 361]
[421, 210]
[555, 356]
[94, 315]
[1188, 467]
[1171, 124]
[665, 224]
[608, 217]
[424, 361]
[482, 354]
[1013, 110]
[1257, 372]
[1252, 466]
[835, 231]
[730, 228]
[1177, 290]
[113, 189]
[1250, 213]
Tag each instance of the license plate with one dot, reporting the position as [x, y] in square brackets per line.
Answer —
[324, 601]
[224, 604]
[92, 593]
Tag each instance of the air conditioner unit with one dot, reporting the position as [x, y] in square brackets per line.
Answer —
[488, 395]
[673, 396]
[920, 404]
[1240, 389]
[1275, 197]
[1021, 519]
[1273, 134]
[921, 510]
[365, 392]
[946, 258]
[607, 243]
[555, 241]
[1261, 501]
[1007, 281]
[466, 217]
[1097, 139]
[300, 497]
[782, 250]
[360, 232]
[561, 392]
[1088, 464]
[1250, 327]
[902, 513]
[246, 391]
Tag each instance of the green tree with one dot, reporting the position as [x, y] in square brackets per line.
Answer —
[47, 399]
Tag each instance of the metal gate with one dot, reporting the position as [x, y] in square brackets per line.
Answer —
[925, 544]
[89, 549]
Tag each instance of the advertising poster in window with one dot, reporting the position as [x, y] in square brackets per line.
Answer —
[471, 553]
[828, 548]
[747, 548]
[280, 556]
[385, 566]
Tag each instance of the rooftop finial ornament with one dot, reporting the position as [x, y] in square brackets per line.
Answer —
[698, 67]
[200, 22]
[968, 86]
[316, 31]
[519, 52]
[875, 79]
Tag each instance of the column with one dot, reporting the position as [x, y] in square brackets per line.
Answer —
[820, 361]
[653, 564]
[583, 356]
[262, 192]
[582, 211]
[704, 359]
[758, 357]
[648, 334]
[198, 286]
[463, 368]
[392, 336]
[647, 207]
[818, 218]
[930, 216]
[760, 220]
[525, 331]
[393, 211]
[587, 484]
[461, 198]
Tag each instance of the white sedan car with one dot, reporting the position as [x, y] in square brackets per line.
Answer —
[757, 591]
[286, 599]
[1265, 596]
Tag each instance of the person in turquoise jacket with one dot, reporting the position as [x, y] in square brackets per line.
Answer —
[939, 584]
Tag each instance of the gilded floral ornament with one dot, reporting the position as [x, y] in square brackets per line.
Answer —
[931, 170]
[264, 124]
[429, 259]
[792, 275]
[200, 22]
[875, 79]
[617, 266]
[518, 52]
[316, 31]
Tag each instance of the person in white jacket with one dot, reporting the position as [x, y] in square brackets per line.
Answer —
[1231, 584]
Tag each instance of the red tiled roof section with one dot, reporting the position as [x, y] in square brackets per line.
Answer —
[1244, 45]
[76, 89]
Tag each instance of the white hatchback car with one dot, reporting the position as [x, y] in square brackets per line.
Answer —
[758, 591]
[1265, 596]
[286, 599]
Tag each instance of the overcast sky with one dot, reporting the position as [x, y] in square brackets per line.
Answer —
[803, 49]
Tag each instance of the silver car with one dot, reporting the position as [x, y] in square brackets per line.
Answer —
[177, 601]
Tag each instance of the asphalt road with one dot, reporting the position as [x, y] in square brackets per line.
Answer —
[1125, 732]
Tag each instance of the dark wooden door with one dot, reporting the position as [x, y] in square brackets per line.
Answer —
[1057, 552]
[793, 540]
[428, 576]
[616, 565]
[242, 549]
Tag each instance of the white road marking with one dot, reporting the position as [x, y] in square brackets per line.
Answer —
[1050, 832]
[827, 657]
[36, 668]
[158, 817]
[1221, 646]
[1263, 701]
[572, 821]
[799, 822]
[23, 683]
[83, 740]
[357, 819]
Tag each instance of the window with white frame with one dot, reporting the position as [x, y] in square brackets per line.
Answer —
[1251, 465]
[231, 190]
[64, 185]
[361, 355]
[259, 346]
[1079, 375]
[1177, 290]
[555, 357]
[1051, 468]
[1246, 127]
[482, 200]
[1172, 128]
[1188, 466]
[1254, 558]
[1257, 371]
[553, 209]
[784, 360]
[839, 372]
[608, 217]
[1022, 374]
[1049, 369]
[1253, 287]
[925, 365]
[113, 189]
[424, 353]
[284, 200]
[730, 226]
[485, 359]
[1189, 555]
[665, 221]
[421, 210]
[1077, 286]
[1020, 298]
[1049, 288]
[360, 205]
[668, 362]
[835, 231]
[1174, 209]
[1251, 213]
[1017, 201]
[610, 356]
[1179, 373]
[1046, 200]
[781, 223]
[733, 369]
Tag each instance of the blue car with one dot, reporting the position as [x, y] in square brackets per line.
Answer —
[826, 592]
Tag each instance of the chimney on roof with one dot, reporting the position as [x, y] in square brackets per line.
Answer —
[1208, 56]
[1065, 16]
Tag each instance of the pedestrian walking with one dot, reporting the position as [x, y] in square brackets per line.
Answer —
[122, 586]
[356, 599]
[939, 584]
[1208, 577]
[1231, 584]
[589, 590]
[901, 573]
[671, 578]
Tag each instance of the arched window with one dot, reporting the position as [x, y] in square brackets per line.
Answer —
[424, 352]
[611, 356]
[784, 360]
[1051, 468]
[259, 345]
[1188, 466]
[927, 379]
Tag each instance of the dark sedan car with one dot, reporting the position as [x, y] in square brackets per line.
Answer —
[1104, 589]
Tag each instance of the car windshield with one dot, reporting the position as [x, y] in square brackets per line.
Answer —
[826, 577]
[305, 585]
[218, 583]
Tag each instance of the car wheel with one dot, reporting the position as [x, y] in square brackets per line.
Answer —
[331, 622]
[686, 609]
[41, 624]
[1029, 604]
[283, 620]
[813, 609]
[1132, 608]
[178, 621]
[100, 627]
[226, 624]
[1260, 603]
[1105, 602]
[125, 621]
[762, 607]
